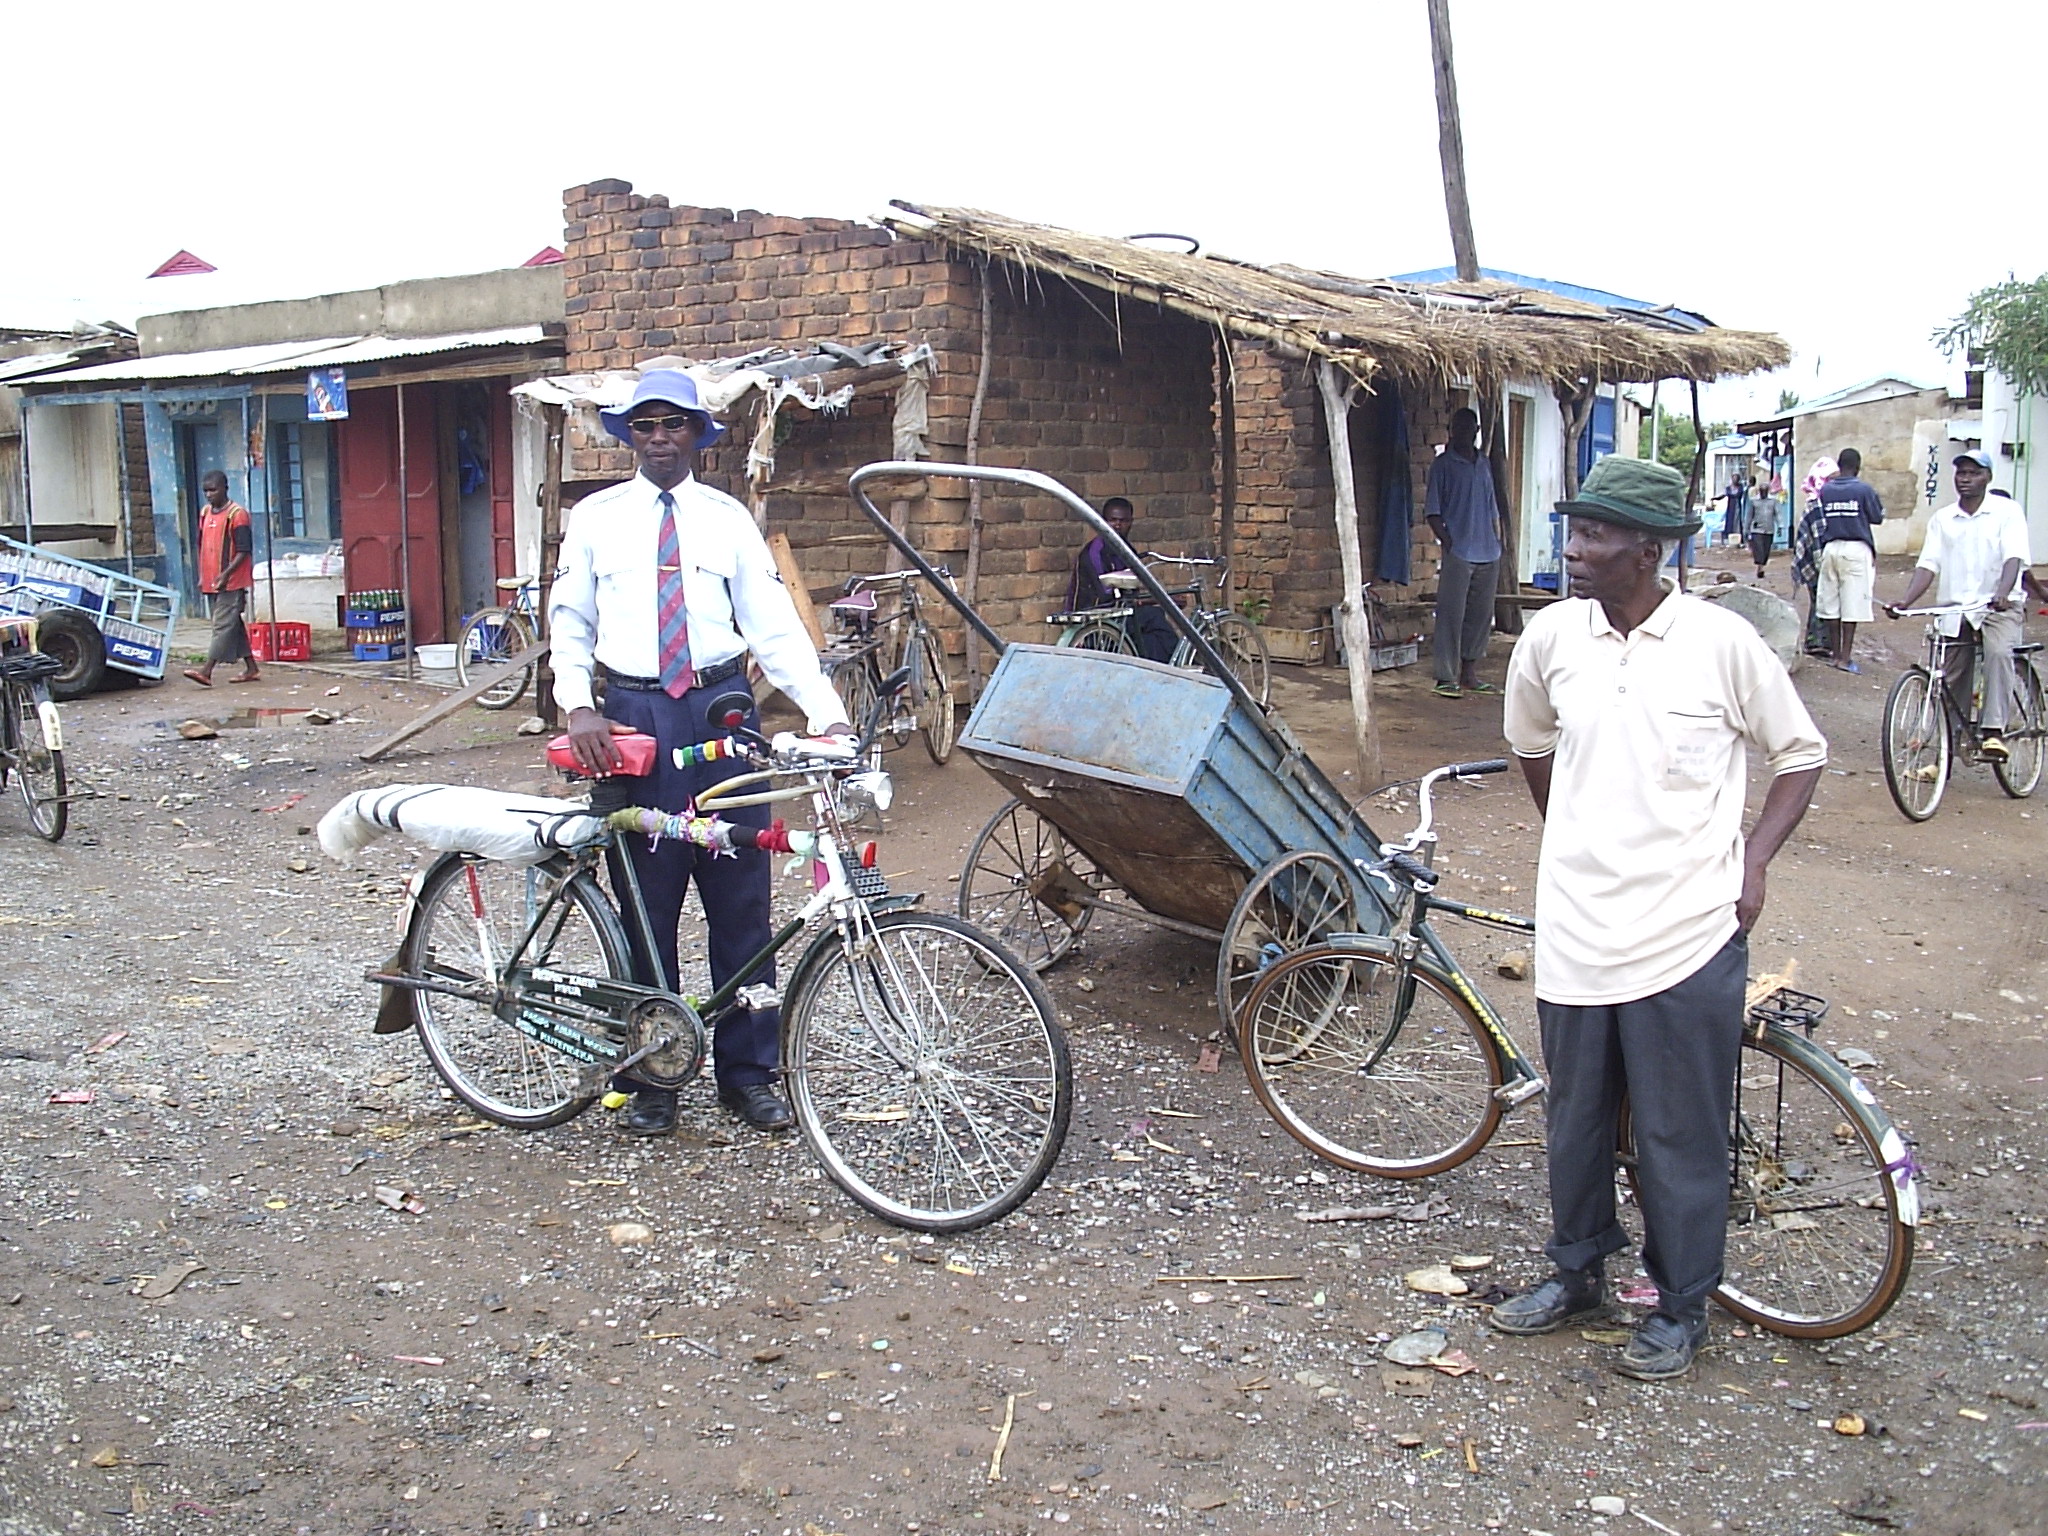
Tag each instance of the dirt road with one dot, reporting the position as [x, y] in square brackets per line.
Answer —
[776, 1361]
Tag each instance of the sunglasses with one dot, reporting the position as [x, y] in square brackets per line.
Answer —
[644, 426]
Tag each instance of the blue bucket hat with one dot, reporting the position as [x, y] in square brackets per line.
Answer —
[670, 386]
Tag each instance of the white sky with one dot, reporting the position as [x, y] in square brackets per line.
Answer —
[1843, 172]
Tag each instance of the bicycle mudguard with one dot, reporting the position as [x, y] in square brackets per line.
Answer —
[1899, 1163]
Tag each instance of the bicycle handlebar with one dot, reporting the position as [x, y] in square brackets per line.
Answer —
[1424, 832]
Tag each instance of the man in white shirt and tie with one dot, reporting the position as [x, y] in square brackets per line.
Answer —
[666, 585]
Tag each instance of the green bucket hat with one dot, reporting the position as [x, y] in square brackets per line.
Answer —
[1635, 493]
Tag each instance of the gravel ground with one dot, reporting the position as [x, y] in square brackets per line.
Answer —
[777, 1361]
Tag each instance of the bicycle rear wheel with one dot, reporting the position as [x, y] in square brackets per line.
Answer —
[927, 1071]
[1821, 1204]
[38, 761]
[935, 710]
[507, 1064]
[1243, 649]
[1378, 1071]
[1915, 744]
[1100, 635]
[2020, 773]
[490, 645]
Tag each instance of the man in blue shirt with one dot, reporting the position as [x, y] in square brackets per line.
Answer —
[1848, 555]
[1466, 520]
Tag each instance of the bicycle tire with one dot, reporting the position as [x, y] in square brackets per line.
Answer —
[1915, 744]
[1238, 641]
[1016, 860]
[1371, 1075]
[1299, 899]
[38, 766]
[1812, 1270]
[479, 1052]
[491, 640]
[2020, 774]
[1106, 635]
[927, 1071]
[935, 711]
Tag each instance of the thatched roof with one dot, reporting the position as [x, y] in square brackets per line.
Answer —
[1484, 330]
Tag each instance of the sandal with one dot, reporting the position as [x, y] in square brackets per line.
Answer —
[204, 682]
[1448, 691]
[1482, 688]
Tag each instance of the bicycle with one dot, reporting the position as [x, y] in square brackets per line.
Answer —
[31, 731]
[924, 1063]
[1926, 727]
[493, 639]
[855, 664]
[1234, 636]
[1381, 1055]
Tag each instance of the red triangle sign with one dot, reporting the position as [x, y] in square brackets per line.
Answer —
[184, 264]
[546, 256]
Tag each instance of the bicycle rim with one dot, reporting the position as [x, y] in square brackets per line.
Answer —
[1300, 899]
[2020, 773]
[1019, 884]
[497, 1060]
[1373, 1075]
[927, 1071]
[1915, 744]
[38, 769]
[935, 714]
[1241, 645]
[1821, 1206]
[490, 645]
[1102, 635]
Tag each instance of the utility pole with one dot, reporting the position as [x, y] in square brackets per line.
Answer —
[1450, 142]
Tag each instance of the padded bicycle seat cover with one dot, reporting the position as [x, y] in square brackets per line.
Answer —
[636, 747]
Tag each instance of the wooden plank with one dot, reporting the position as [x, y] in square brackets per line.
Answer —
[442, 710]
[799, 593]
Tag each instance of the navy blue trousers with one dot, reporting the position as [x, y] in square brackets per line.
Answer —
[734, 891]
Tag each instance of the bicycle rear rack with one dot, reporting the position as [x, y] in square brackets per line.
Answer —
[1789, 1009]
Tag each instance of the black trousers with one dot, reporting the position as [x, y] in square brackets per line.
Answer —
[734, 891]
[1674, 1053]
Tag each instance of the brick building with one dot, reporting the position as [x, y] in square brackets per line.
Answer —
[1187, 383]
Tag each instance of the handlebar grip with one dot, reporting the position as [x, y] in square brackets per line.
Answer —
[1474, 770]
[715, 750]
[1417, 872]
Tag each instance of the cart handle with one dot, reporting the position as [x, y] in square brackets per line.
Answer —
[1031, 479]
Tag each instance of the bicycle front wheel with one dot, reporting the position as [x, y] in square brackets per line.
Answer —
[510, 1064]
[1243, 649]
[39, 761]
[935, 710]
[2020, 773]
[927, 1071]
[1379, 1068]
[1915, 744]
[490, 645]
[1821, 1203]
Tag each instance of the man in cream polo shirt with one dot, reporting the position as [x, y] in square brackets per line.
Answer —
[1631, 707]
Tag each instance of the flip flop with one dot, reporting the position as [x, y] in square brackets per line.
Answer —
[1482, 688]
[238, 679]
[1448, 691]
[1848, 666]
[204, 682]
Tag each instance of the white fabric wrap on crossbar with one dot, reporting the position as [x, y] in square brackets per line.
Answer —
[513, 829]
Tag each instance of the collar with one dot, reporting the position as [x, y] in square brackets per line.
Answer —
[1657, 625]
[654, 491]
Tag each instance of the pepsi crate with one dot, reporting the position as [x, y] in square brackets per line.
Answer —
[392, 652]
[372, 618]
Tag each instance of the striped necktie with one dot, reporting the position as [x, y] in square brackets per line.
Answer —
[678, 677]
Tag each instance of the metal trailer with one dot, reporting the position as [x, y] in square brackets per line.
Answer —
[1169, 796]
[92, 617]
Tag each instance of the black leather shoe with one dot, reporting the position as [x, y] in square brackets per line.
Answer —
[653, 1112]
[759, 1105]
[1566, 1297]
[1663, 1347]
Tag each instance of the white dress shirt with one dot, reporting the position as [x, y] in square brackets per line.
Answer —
[1641, 862]
[1968, 551]
[604, 605]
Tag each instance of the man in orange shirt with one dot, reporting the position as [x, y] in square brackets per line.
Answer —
[226, 576]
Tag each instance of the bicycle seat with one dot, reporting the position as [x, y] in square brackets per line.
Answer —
[513, 583]
[2028, 649]
[862, 601]
[1121, 581]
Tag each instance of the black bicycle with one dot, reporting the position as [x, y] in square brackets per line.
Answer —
[31, 731]
[1379, 1053]
[1927, 727]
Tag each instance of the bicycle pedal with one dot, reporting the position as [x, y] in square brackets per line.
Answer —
[1512, 1094]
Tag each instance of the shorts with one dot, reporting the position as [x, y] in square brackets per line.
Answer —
[1848, 573]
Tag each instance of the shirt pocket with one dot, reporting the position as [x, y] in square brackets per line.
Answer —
[1697, 744]
[707, 583]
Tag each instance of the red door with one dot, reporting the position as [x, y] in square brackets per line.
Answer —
[504, 548]
[369, 502]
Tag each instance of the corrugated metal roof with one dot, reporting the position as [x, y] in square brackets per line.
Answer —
[291, 356]
[37, 362]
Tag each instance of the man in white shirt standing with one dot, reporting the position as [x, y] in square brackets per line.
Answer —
[1977, 547]
[666, 585]
[1631, 707]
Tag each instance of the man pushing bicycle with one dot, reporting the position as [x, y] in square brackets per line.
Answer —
[1977, 549]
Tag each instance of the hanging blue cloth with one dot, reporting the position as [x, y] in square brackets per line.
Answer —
[1397, 498]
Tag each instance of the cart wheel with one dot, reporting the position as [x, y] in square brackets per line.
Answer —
[1301, 898]
[76, 641]
[1019, 884]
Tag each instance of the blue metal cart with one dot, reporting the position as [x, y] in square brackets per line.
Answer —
[91, 617]
[1157, 793]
